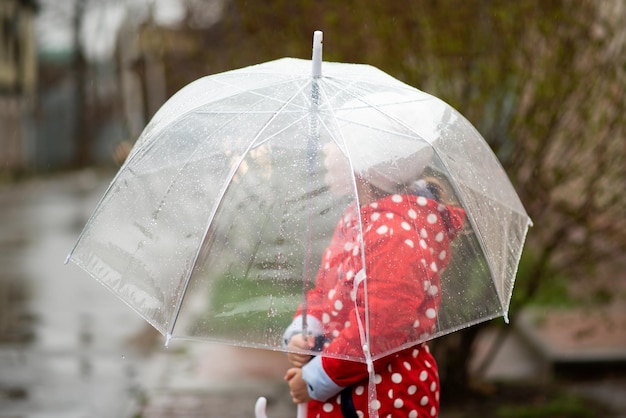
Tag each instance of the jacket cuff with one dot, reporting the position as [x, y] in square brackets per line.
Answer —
[321, 387]
[314, 327]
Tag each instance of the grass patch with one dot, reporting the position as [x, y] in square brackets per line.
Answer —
[255, 308]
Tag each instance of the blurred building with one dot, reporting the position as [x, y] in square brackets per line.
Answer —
[156, 59]
[18, 79]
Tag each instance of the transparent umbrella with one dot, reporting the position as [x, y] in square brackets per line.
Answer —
[220, 223]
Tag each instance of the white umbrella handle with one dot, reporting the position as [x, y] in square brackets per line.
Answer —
[259, 408]
[261, 404]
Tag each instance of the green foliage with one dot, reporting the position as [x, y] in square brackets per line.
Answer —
[553, 291]
[561, 406]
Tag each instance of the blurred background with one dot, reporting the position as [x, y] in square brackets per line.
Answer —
[544, 82]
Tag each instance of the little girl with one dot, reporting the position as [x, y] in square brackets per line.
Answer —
[406, 240]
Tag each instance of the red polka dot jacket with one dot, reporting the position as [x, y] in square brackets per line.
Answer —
[407, 244]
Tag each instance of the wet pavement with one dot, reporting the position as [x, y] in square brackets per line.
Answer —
[69, 348]
[65, 355]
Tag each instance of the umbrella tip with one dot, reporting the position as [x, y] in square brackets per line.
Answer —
[318, 38]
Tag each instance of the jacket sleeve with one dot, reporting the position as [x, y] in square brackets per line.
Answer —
[395, 288]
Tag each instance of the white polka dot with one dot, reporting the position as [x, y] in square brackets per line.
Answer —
[359, 390]
[350, 275]
[407, 365]
[426, 285]
[433, 290]
[374, 205]
[433, 411]
[424, 400]
[377, 379]
[348, 246]
[338, 305]
[412, 214]
[423, 233]
[355, 250]
[427, 363]
[423, 375]
[410, 243]
[396, 198]
[334, 313]
[415, 353]
[389, 215]
[360, 414]
[382, 230]
[433, 386]
[412, 414]
[390, 393]
[412, 389]
[331, 293]
[439, 237]
[431, 313]
[375, 216]
[375, 404]
[347, 324]
[405, 226]
[325, 318]
[396, 378]
[423, 244]
[431, 218]
[416, 324]
[433, 267]
[336, 333]
[442, 255]
[398, 403]
[328, 407]
[421, 200]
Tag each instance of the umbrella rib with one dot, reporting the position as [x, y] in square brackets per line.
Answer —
[259, 143]
[304, 80]
[162, 201]
[270, 120]
[364, 330]
[212, 215]
[217, 80]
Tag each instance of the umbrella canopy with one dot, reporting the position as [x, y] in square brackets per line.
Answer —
[215, 227]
